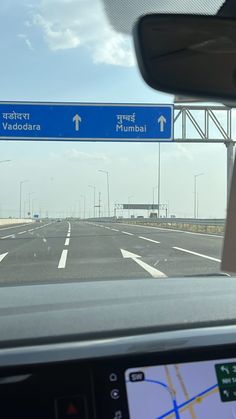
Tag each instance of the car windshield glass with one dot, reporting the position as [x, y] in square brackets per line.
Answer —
[101, 176]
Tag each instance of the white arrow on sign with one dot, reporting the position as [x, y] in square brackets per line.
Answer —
[162, 121]
[136, 258]
[224, 369]
[77, 119]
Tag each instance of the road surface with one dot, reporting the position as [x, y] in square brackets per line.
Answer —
[53, 251]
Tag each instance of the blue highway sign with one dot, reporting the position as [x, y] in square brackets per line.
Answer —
[85, 122]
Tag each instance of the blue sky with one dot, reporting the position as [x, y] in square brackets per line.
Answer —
[63, 51]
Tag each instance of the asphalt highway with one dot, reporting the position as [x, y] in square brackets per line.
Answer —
[51, 251]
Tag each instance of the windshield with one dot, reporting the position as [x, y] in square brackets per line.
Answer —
[139, 191]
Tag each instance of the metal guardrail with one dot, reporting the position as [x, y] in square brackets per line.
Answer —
[193, 221]
[198, 221]
[200, 225]
[210, 226]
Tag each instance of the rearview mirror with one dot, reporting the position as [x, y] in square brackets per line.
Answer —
[188, 55]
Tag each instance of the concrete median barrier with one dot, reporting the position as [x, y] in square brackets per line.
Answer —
[15, 221]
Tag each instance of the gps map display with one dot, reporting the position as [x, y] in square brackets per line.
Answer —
[196, 390]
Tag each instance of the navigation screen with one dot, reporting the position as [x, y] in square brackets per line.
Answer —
[196, 390]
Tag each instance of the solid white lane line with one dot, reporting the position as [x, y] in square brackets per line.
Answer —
[36, 228]
[15, 226]
[3, 256]
[7, 237]
[203, 234]
[172, 229]
[126, 232]
[155, 273]
[67, 242]
[197, 254]
[62, 262]
[45, 225]
[68, 234]
[149, 240]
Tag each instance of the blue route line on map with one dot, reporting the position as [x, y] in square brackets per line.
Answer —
[157, 382]
[160, 383]
[187, 402]
[175, 407]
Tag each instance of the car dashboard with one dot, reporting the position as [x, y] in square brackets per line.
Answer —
[119, 349]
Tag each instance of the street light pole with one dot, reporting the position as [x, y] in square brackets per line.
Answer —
[99, 205]
[4, 161]
[195, 193]
[108, 191]
[24, 211]
[21, 183]
[30, 194]
[83, 196]
[33, 201]
[129, 198]
[94, 198]
[159, 178]
[153, 196]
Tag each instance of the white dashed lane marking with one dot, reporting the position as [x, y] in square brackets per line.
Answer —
[3, 256]
[7, 237]
[197, 254]
[62, 261]
[64, 254]
[149, 240]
